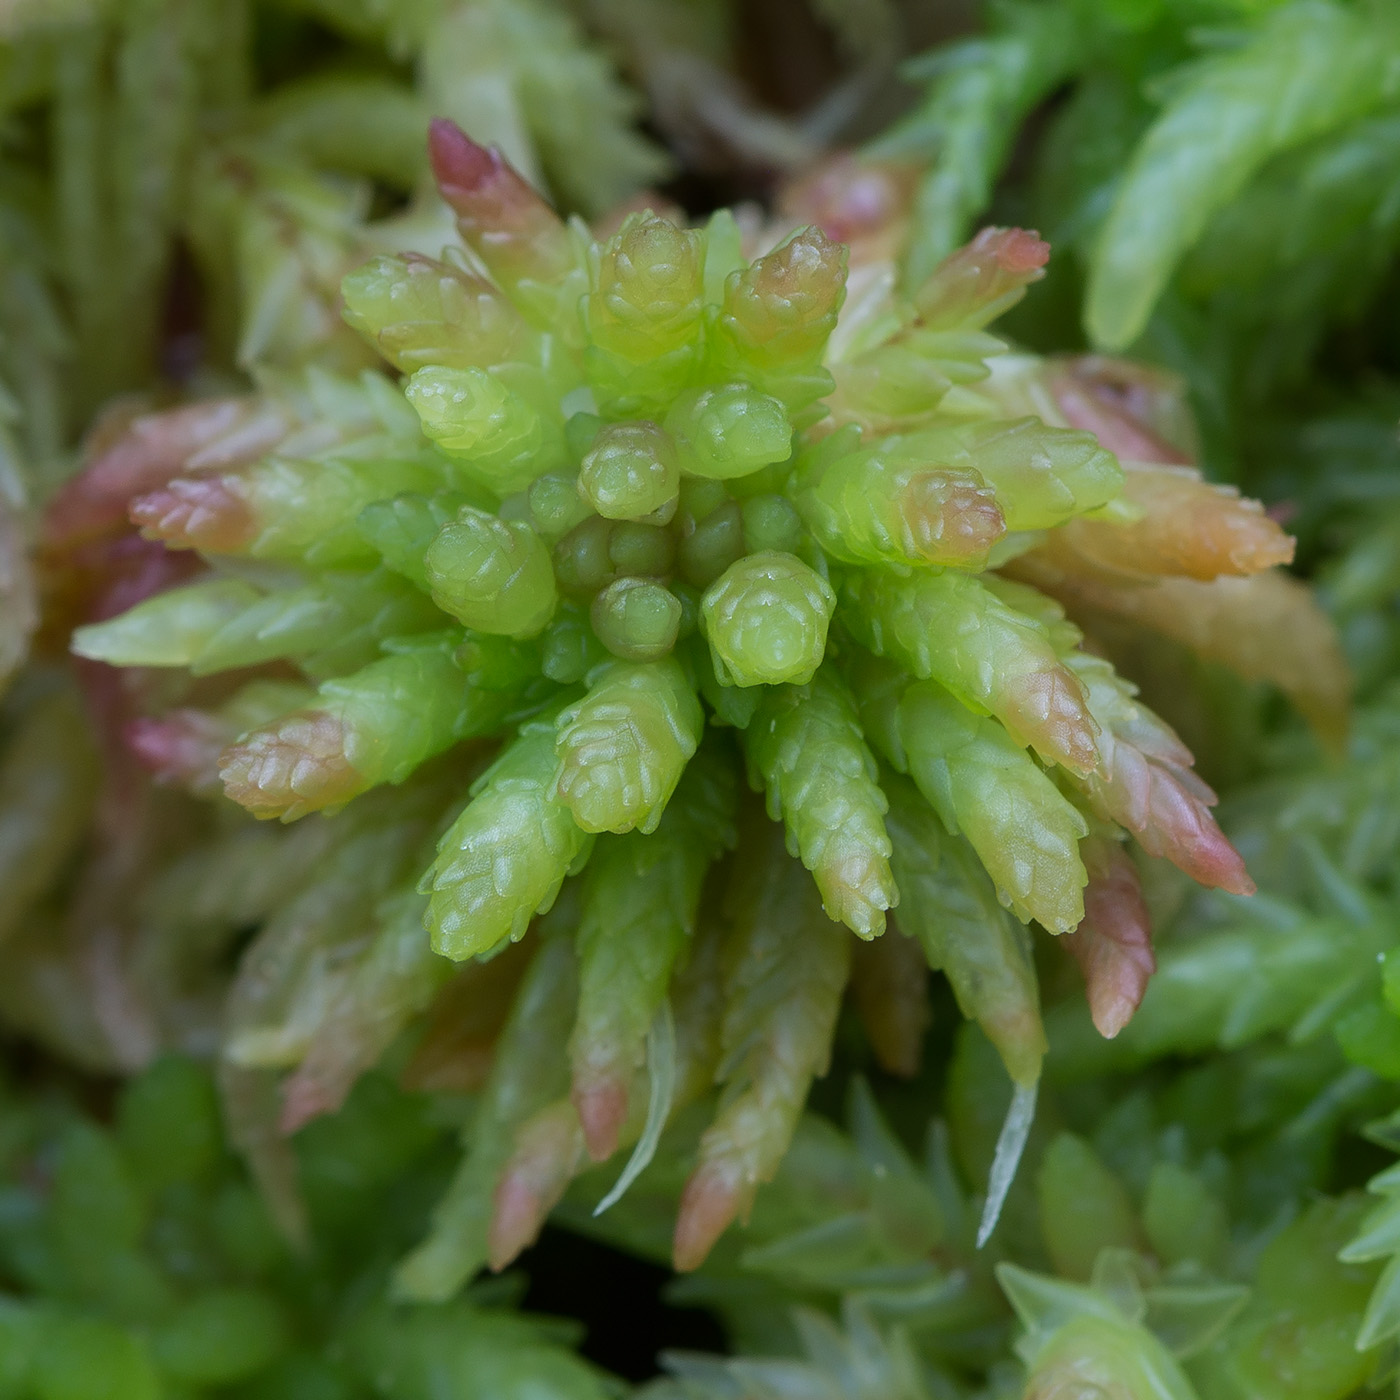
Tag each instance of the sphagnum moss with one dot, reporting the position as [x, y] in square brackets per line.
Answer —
[632, 486]
[148, 1267]
[1155, 1247]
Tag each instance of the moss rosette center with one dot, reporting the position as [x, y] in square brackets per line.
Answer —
[766, 618]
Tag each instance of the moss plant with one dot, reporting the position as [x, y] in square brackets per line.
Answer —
[1153, 1242]
[627, 487]
[653, 648]
[1230, 259]
[140, 1263]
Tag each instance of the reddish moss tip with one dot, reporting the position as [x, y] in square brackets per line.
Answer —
[1024, 250]
[851, 198]
[305, 1098]
[1113, 945]
[602, 1109]
[181, 746]
[1020, 250]
[950, 520]
[459, 163]
[195, 513]
[1050, 713]
[712, 1201]
[292, 767]
[515, 1222]
[1223, 866]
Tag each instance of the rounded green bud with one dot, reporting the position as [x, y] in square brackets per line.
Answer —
[689, 599]
[712, 545]
[766, 619]
[622, 748]
[645, 316]
[492, 663]
[648, 299]
[580, 431]
[387, 290]
[771, 522]
[635, 547]
[402, 527]
[632, 471]
[637, 619]
[492, 574]
[782, 309]
[597, 551]
[729, 431]
[697, 499]
[569, 648]
[556, 506]
[422, 312]
[479, 422]
[582, 562]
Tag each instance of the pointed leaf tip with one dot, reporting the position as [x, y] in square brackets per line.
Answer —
[1010, 1145]
[1020, 250]
[457, 160]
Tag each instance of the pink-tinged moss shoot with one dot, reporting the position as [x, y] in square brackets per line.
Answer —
[631, 513]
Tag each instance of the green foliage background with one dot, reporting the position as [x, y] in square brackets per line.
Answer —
[184, 183]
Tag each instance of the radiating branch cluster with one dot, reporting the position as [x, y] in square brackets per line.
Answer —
[634, 525]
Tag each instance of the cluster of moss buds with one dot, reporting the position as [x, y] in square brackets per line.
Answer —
[652, 516]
